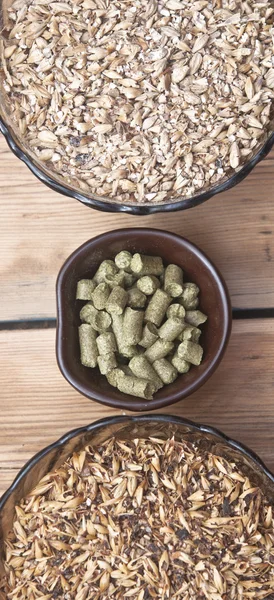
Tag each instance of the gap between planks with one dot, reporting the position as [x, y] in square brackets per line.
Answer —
[237, 313]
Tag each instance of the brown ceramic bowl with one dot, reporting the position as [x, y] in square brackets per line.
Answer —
[214, 301]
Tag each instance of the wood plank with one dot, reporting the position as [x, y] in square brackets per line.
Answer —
[40, 228]
[38, 405]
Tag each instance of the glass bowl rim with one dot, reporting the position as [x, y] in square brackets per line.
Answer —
[160, 418]
[135, 209]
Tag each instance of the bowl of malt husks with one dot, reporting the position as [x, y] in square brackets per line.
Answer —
[139, 507]
[138, 107]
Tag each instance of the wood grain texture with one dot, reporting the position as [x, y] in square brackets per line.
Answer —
[38, 405]
[40, 228]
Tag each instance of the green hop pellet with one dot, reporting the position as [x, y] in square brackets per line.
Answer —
[106, 363]
[147, 265]
[106, 343]
[142, 368]
[114, 375]
[123, 260]
[148, 284]
[166, 371]
[190, 333]
[173, 282]
[150, 335]
[100, 296]
[186, 333]
[180, 364]
[189, 295]
[106, 268]
[176, 310]
[116, 279]
[159, 349]
[87, 313]
[157, 307]
[117, 373]
[100, 320]
[195, 334]
[134, 386]
[85, 289]
[88, 346]
[117, 301]
[195, 317]
[132, 326]
[136, 299]
[190, 352]
[170, 330]
[124, 349]
[193, 305]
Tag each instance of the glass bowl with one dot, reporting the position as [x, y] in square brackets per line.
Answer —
[214, 302]
[58, 183]
[160, 426]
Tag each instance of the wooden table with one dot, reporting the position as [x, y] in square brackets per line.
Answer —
[40, 228]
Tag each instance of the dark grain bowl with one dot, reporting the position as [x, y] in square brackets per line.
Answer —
[214, 301]
[163, 426]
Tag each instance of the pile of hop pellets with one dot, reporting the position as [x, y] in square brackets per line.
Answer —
[140, 323]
